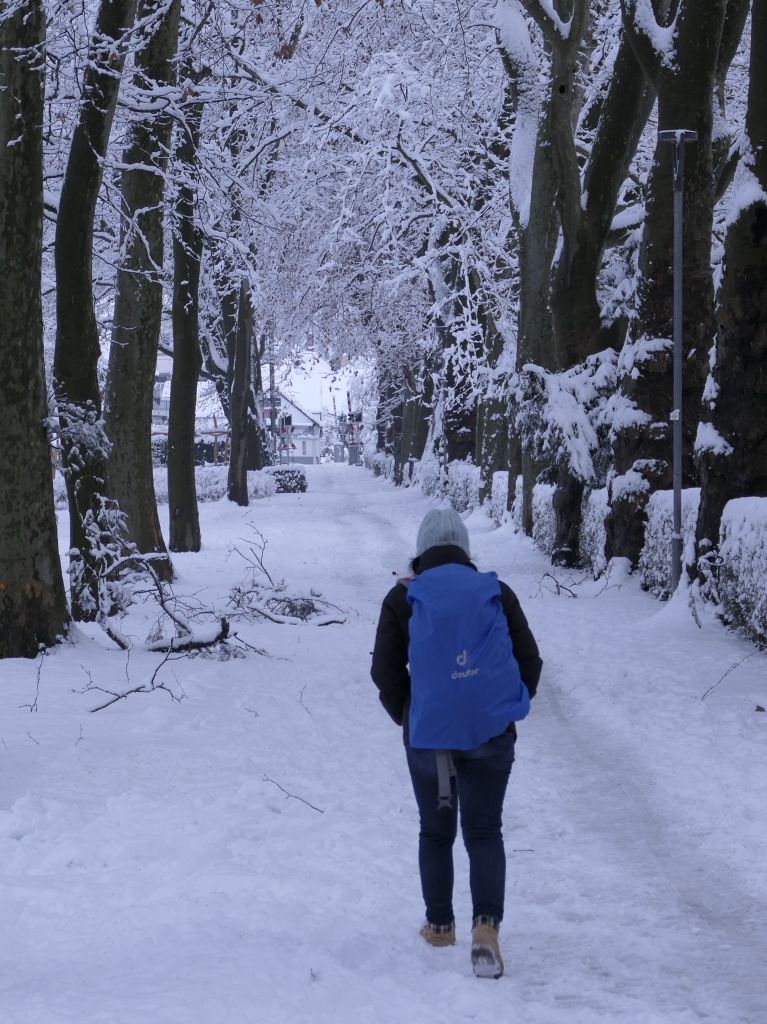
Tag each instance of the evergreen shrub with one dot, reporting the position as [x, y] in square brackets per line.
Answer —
[743, 566]
[210, 483]
[462, 486]
[499, 493]
[593, 534]
[428, 475]
[289, 479]
[380, 463]
[544, 525]
[655, 558]
[516, 505]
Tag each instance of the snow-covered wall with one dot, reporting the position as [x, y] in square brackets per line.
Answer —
[743, 571]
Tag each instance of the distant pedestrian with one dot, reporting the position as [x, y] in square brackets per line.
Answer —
[456, 664]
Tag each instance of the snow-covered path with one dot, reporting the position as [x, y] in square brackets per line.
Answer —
[153, 867]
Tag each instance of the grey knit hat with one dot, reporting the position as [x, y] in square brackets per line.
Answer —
[441, 526]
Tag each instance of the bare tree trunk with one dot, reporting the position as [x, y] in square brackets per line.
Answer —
[723, 157]
[416, 419]
[138, 302]
[643, 448]
[578, 327]
[733, 460]
[259, 453]
[537, 230]
[33, 610]
[187, 357]
[78, 347]
[238, 473]
[576, 315]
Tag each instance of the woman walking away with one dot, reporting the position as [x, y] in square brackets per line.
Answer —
[455, 664]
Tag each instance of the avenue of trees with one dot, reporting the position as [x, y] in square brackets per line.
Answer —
[470, 195]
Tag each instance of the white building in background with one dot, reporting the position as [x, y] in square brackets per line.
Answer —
[298, 440]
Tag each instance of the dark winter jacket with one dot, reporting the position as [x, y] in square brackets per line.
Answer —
[390, 654]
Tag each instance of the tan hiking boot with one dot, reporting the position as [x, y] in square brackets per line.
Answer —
[438, 934]
[485, 952]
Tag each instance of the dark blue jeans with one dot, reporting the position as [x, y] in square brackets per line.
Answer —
[479, 788]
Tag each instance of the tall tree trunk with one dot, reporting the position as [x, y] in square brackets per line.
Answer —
[33, 610]
[577, 321]
[138, 302]
[537, 226]
[238, 471]
[587, 213]
[554, 200]
[416, 418]
[78, 348]
[187, 357]
[259, 453]
[643, 444]
[733, 444]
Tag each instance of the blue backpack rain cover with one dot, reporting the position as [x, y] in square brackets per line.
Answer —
[465, 681]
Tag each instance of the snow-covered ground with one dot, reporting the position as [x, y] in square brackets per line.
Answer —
[154, 869]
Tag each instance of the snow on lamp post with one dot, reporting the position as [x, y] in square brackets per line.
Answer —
[678, 137]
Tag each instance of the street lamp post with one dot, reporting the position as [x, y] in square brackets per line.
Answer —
[678, 137]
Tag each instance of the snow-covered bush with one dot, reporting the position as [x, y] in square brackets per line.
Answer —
[743, 568]
[289, 479]
[544, 525]
[59, 491]
[428, 475]
[380, 463]
[499, 493]
[655, 558]
[593, 534]
[261, 483]
[561, 416]
[516, 506]
[211, 483]
[462, 486]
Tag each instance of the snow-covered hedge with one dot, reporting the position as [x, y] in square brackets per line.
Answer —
[593, 534]
[516, 506]
[210, 482]
[743, 569]
[59, 491]
[289, 479]
[379, 463]
[499, 493]
[655, 559]
[462, 489]
[427, 475]
[544, 527]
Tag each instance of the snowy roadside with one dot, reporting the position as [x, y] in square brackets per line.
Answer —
[247, 854]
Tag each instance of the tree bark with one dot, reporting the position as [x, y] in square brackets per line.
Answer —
[577, 322]
[138, 301]
[78, 348]
[237, 488]
[33, 610]
[537, 233]
[258, 451]
[738, 468]
[187, 357]
[643, 448]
